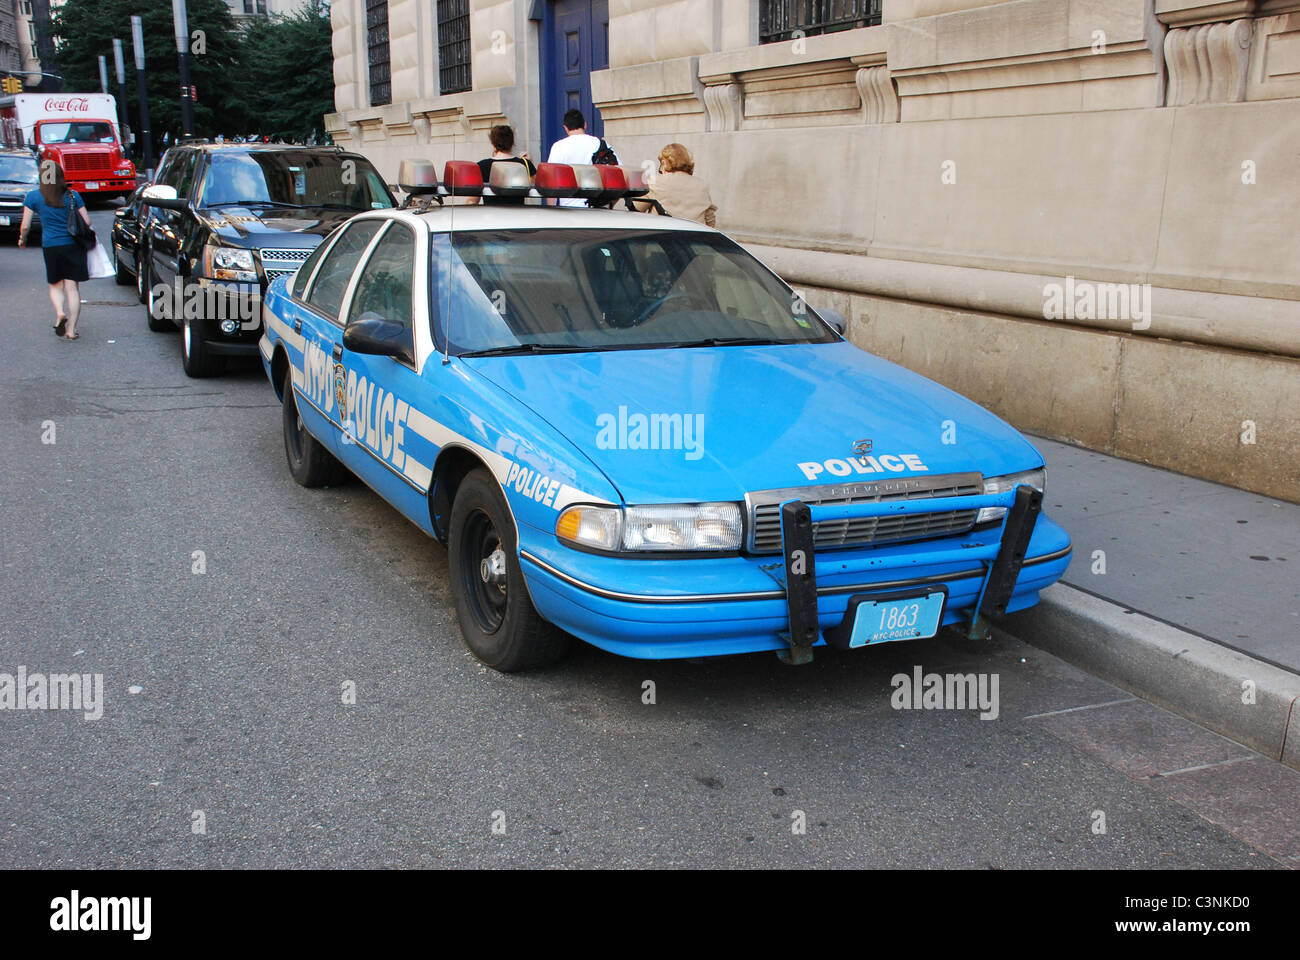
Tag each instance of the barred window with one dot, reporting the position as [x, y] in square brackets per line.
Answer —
[780, 19]
[453, 46]
[381, 87]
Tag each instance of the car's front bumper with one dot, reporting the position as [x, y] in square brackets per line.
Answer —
[663, 609]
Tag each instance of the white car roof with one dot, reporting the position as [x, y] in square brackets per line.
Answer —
[535, 217]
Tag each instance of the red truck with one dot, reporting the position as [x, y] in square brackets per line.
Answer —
[76, 130]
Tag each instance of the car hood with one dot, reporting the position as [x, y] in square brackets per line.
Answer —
[245, 224]
[751, 416]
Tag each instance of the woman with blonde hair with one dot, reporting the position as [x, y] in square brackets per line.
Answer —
[65, 260]
[678, 190]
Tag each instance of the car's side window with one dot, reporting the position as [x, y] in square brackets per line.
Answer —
[185, 173]
[326, 294]
[304, 272]
[384, 287]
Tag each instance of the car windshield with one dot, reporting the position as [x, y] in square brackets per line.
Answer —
[551, 290]
[293, 180]
[83, 131]
[19, 170]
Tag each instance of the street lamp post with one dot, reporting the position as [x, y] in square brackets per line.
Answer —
[181, 20]
[137, 43]
[118, 65]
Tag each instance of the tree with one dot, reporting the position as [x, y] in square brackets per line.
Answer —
[287, 72]
[84, 30]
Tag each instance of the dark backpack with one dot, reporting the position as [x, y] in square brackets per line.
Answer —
[604, 155]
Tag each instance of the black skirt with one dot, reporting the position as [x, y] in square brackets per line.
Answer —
[67, 261]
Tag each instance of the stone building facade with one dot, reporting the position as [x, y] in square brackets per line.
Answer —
[1084, 214]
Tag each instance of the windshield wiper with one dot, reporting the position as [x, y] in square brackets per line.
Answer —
[723, 342]
[251, 203]
[528, 348]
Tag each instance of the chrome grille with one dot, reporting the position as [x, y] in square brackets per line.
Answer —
[286, 255]
[764, 508]
[275, 274]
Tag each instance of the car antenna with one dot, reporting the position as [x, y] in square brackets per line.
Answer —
[451, 251]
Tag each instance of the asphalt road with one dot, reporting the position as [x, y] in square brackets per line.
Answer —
[223, 689]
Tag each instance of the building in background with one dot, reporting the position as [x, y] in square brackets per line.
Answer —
[247, 9]
[1081, 213]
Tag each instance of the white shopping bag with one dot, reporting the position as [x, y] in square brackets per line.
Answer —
[98, 263]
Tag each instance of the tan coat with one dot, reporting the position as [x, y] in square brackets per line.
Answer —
[682, 195]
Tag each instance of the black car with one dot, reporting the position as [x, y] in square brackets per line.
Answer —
[224, 220]
[128, 231]
[19, 175]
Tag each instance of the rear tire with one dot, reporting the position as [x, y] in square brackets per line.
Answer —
[309, 462]
[122, 276]
[196, 356]
[498, 621]
[145, 291]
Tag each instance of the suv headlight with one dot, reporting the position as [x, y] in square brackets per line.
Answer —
[1031, 478]
[659, 528]
[229, 263]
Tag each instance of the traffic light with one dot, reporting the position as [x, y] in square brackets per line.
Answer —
[11, 85]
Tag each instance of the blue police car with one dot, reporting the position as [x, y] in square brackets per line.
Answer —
[626, 429]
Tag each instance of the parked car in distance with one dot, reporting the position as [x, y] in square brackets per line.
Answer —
[225, 220]
[128, 228]
[19, 175]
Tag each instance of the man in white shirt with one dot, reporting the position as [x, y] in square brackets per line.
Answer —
[577, 146]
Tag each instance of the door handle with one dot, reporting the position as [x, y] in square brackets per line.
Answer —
[297, 325]
[338, 351]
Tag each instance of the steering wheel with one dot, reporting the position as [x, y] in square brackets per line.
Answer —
[679, 295]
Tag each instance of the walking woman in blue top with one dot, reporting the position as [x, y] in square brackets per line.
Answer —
[65, 261]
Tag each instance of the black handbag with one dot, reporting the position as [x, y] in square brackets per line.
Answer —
[78, 229]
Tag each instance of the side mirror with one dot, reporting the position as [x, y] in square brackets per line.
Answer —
[372, 334]
[833, 318]
[163, 196]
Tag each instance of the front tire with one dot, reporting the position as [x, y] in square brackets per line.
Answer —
[498, 621]
[197, 356]
[309, 462]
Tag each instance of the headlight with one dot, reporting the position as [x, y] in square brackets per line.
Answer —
[670, 527]
[1031, 478]
[122, 172]
[229, 263]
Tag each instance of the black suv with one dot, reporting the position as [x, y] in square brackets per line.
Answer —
[224, 220]
[19, 175]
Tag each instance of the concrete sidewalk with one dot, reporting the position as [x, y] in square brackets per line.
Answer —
[1180, 590]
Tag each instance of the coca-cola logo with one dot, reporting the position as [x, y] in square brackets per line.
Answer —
[69, 104]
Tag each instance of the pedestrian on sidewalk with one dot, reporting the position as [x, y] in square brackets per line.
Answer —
[502, 138]
[65, 260]
[678, 190]
[578, 146]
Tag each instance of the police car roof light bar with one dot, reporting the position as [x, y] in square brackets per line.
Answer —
[556, 180]
[590, 184]
[509, 180]
[462, 178]
[613, 182]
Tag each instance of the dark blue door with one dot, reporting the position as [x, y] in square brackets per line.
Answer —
[575, 40]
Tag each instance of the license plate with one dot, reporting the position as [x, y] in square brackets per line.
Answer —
[93, 185]
[898, 618]
[4, 221]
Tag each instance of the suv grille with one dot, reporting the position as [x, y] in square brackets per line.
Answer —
[764, 507]
[282, 261]
[294, 255]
